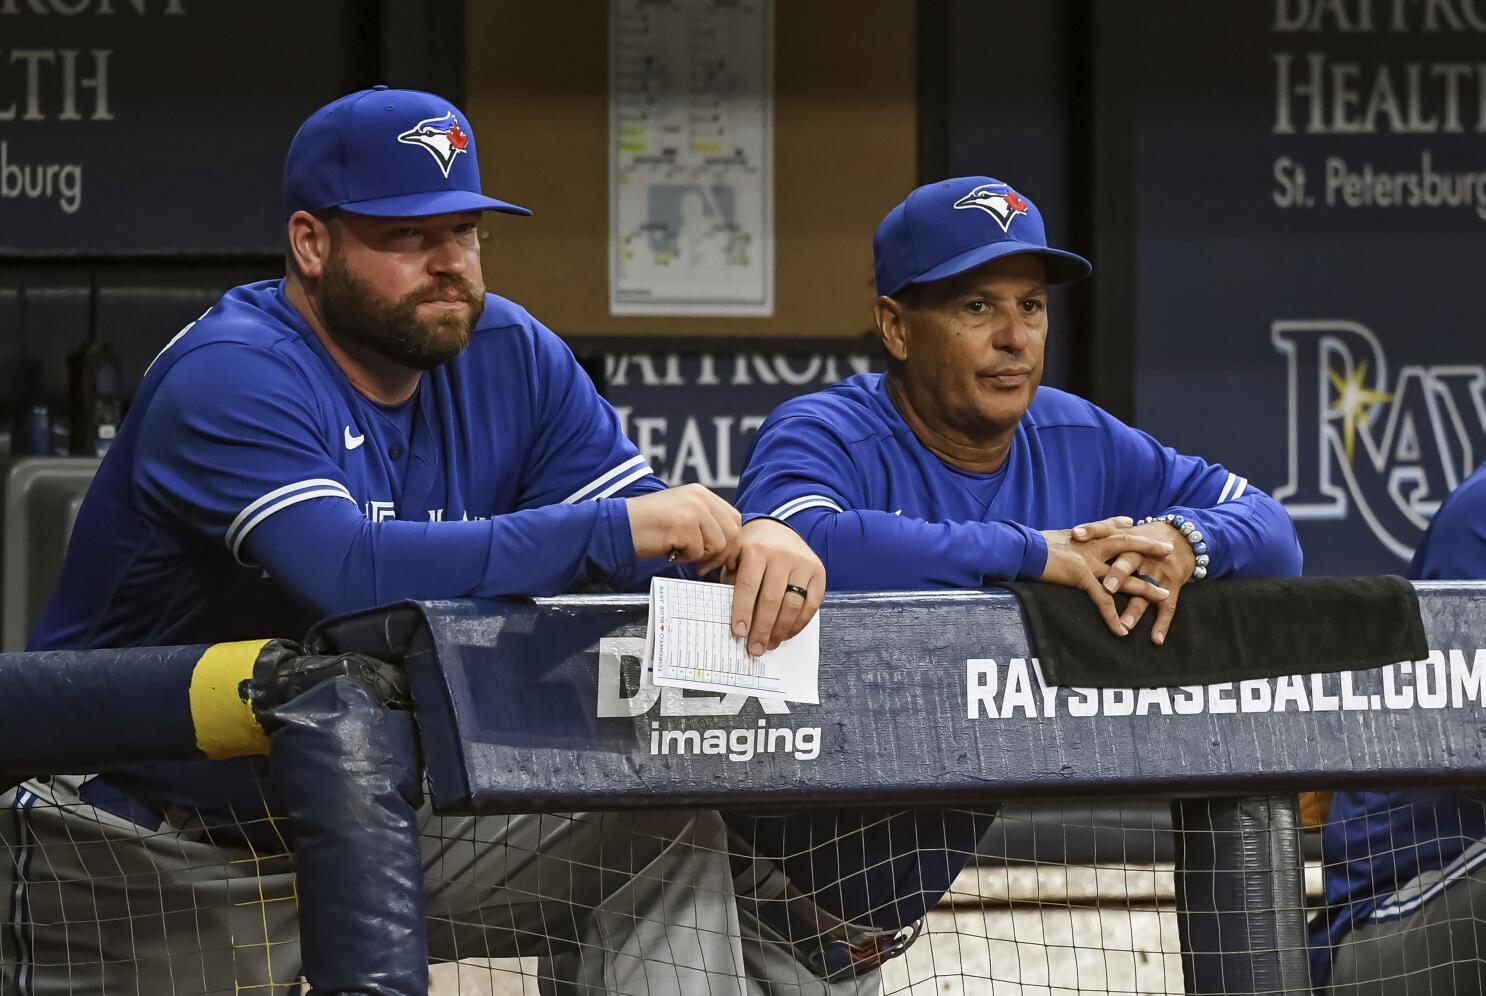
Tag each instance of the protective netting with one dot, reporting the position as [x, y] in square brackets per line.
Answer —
[103, 894]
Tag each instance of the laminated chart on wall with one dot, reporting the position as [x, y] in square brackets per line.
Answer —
[689, 644]
[691, 215]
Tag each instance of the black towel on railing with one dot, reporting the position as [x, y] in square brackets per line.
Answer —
[1228, 630]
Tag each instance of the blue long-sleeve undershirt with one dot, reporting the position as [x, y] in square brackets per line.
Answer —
[895, 551]
[1248, 538]
[326, 554]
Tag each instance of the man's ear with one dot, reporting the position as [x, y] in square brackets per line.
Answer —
[892, 328]
[309, 244]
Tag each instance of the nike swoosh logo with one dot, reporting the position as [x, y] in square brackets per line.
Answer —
[353, 441]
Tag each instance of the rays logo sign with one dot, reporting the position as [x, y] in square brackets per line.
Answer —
[1393, 446]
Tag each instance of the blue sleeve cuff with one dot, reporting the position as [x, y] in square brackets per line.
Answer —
[1034, 558]
[1203, 526]
[614, 526]
[750, 516]
[1193, 515]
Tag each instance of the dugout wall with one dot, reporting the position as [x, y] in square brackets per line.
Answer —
[944, 685]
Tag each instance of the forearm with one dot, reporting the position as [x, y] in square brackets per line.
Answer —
[329, 557]
[866, 550]
[1251, 536]
[635, 575]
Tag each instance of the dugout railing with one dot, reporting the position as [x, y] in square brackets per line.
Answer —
[926, 699]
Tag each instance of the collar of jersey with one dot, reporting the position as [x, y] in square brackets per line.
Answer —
[902, 429]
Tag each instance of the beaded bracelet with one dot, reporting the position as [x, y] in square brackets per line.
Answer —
[1190, 533]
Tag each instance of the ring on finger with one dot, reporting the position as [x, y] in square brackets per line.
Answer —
[1148, 579]
[795, 589]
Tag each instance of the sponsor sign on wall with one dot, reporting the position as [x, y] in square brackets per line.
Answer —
[1310, 238]
[945, 685]
[159, 126]
[694, 414]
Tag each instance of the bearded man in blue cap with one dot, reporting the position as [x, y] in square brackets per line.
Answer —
[372, 428]
[955, 470]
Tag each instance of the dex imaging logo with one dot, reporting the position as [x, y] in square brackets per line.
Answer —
[441, 136]
[696, 724]
[997, 200]
[1394, 448]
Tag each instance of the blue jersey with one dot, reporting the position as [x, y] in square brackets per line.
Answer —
[883, 512]
[1388, 853]
[253, 491]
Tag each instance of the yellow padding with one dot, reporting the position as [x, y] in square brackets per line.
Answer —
[225, 724]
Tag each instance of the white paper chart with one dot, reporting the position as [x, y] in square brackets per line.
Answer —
[689, 644]
[691, 106]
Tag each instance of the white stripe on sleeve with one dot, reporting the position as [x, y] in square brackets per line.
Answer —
[588, 490]
[280, 498]
[795, 505]
[1227, 486]
[624, 481]
[254, 506]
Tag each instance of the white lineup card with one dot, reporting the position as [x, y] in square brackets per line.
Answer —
[689, 643]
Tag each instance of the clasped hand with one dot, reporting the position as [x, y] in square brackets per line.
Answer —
[1149, 562]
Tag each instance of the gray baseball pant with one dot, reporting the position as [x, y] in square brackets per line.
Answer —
[633, 903]
[1435, 950]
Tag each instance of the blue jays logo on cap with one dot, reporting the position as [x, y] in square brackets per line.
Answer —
[441, 136]
[941, 230]
[997, 200]
[344, 156]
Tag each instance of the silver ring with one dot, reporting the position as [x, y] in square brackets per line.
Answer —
[795, 589]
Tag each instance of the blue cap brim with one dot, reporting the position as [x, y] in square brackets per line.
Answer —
[1061, 267]
[428, 204]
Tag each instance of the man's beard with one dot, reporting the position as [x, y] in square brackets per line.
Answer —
[395, 332]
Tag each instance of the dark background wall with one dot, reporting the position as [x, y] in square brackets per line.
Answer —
[1232, 313]
[174, 116]
[1303, 188]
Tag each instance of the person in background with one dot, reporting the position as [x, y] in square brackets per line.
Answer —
[1405, 910]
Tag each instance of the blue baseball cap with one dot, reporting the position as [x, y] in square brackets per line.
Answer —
[948, 227]
[389, 154]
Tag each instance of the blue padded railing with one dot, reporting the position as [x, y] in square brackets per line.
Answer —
[926, 699]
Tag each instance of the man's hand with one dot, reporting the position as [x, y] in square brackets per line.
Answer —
[1080, 558]
[1170, 572]
[773, 555]
[701, 527]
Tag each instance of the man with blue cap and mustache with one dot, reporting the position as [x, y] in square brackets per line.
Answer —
[955, 469]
